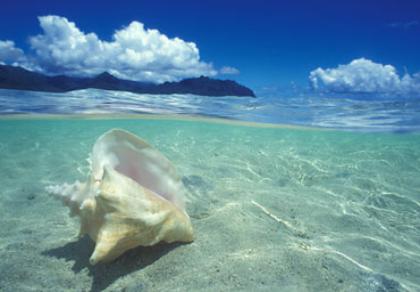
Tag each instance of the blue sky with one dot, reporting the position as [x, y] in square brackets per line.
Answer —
[271, 43]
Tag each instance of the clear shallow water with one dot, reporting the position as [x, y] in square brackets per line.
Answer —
[368, 114]
[273, 208]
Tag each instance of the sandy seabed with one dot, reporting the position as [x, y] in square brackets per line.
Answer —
[274, 208]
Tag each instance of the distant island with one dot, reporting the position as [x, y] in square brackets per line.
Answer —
[12, 77]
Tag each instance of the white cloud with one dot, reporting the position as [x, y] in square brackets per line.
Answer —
[9, 54]
[227, 70]
[364, 76]
[133, 53]
[404, 25]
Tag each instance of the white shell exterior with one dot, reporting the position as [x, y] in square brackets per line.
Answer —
[133, 197]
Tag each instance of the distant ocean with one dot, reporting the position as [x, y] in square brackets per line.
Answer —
[285, 194]
[370, 113]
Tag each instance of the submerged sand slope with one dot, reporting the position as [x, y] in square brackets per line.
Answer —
[272, 208]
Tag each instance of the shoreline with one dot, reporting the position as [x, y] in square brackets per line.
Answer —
[195, 118]
[152, 116]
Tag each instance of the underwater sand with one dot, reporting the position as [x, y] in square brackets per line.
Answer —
[274, 208]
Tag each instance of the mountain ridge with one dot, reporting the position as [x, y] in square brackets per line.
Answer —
[14, 77]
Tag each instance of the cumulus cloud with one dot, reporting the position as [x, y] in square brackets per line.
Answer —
[364, 76]
[134, 52]
[227, 70]
[9, 54]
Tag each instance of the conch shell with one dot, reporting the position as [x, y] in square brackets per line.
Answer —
[133, 197]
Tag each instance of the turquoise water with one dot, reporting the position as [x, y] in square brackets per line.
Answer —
[273, 208]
